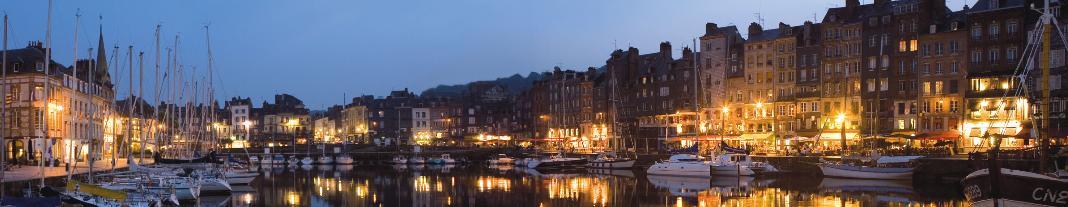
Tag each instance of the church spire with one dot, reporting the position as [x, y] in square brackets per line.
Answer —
[102, 60]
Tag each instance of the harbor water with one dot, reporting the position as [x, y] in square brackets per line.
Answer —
[481, 185]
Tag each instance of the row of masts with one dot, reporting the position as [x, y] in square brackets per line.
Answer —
[184, 123]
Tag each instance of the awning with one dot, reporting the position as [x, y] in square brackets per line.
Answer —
[942, 135]
[754, 136]
[837, 136]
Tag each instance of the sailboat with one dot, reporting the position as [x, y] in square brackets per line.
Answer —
[325, 159]
[307, 160]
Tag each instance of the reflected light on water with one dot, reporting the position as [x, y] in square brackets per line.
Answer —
[494, 183]
[573, 188]
[421, 184]
[292, 198]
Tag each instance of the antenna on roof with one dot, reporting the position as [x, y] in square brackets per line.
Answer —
[759, 18]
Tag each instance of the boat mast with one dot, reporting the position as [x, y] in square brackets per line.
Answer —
[3, 111]
[130, 99]
[93, 106]
[696, 99]
[155, 113]
[140, 108]
[211, 89]
[1043, 132]
[114, 146]
[71, 148]
[47, 90]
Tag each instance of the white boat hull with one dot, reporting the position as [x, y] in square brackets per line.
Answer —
[832, 171]
[680, 169]
[215, 186]
[732, 170]
[325, 160]
[240, 180]
[344, 160]
[307, 161]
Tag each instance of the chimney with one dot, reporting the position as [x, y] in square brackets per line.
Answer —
[783, 27]
[687, 53]
[710, 28]
[755, 29]
[665, 49]
[852, 3]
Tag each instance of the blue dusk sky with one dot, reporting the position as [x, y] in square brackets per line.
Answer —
[322, 51]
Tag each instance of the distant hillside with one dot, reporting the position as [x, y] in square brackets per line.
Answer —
[515, 84]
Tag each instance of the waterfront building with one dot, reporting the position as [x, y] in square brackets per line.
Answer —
[78, 106]
[666, 98]
[807, 93]
[996, 40]
[943, 60]
[324, 130]
[840, 79]
[240, 120]
[568, 115]
[139, 116]
[353, 127]
[720, 53]
[285, 122]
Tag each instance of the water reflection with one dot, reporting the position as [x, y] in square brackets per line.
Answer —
[429, 185]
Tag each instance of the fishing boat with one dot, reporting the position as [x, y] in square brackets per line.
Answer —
[307, 161]
[610, 160]
[557, 161]
[885, 168]
[344, 159]
[1007, 187]
[687, 165]
[501, 159]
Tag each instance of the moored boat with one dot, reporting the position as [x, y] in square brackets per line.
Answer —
[611, 161]
[416, 160]
[1014, 188]
[325, 160]
[686, 165]
[557, 161]
[501, 159]
[444, 159]
[344, 159]
[885, 168]
[400, 160]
